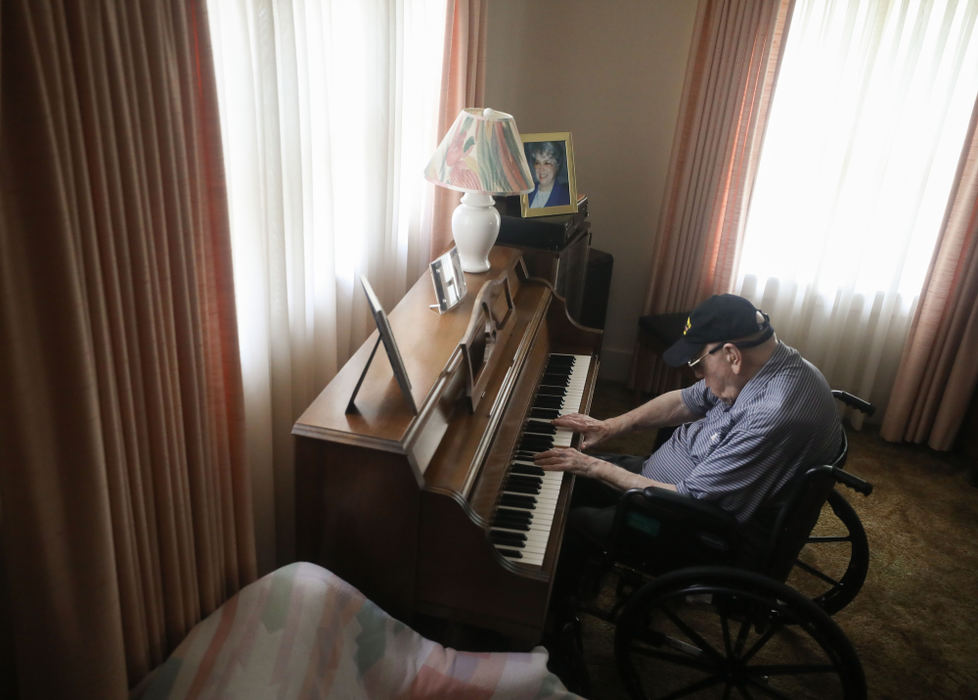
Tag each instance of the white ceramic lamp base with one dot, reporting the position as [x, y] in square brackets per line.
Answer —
[475, 225]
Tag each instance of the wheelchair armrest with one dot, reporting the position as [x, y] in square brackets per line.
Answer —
[665, 520]
[670, 504]
[861, 405]
[852, 481]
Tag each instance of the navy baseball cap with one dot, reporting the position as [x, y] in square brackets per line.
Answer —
[722, 317]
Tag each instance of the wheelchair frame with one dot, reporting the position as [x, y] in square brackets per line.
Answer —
[682, 563]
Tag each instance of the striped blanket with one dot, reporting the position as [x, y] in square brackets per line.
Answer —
[302, 632]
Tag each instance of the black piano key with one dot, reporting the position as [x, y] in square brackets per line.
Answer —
[514, 514]
[511, 538]
[540, 412]
[508, 539]
[551, 391]
[530, 444]
[547, 402]
[521, 488]
[535, 427]
[510, 515]
[516, 476]
[511, 523]
[524, 479]
[525, 470]
[511, 499]
[531, 439]
[509, 552]
[558, 384]
[560, 370]
[526, 489]
[518, 520]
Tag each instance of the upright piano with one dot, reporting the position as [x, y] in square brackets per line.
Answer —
[439, 514]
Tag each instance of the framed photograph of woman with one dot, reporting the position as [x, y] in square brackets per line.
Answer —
[551, 159]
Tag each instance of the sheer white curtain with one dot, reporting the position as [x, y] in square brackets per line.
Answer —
[328, 116]
[867, 125]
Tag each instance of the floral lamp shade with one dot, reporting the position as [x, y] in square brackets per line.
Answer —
[482, 152]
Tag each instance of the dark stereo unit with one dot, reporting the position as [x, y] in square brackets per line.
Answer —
[545, 232]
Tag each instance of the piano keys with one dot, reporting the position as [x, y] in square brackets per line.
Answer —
[524, 516]
[421, 512]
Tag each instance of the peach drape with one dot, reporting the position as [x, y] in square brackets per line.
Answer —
[126, 509]
[734, 57]
[463, 85]
[938, 370]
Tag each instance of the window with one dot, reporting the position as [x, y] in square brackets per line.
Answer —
[867, 123]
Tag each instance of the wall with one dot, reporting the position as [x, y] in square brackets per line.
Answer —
[611, 73]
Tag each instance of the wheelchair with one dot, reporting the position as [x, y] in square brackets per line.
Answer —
[707, 607]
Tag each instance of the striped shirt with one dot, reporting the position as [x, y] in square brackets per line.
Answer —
[783, 421]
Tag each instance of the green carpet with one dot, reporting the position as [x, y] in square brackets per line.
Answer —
[914, 624]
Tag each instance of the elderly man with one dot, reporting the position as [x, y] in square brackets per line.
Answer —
[758, 415]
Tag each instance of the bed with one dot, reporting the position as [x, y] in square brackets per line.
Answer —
[302, 632]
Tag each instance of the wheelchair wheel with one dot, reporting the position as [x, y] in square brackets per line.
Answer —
[832, 566]
[725, 632]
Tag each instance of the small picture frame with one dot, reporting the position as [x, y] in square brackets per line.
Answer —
[385, 336]
[551, 160]
[449, 280]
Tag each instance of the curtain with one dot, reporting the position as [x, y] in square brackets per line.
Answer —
[463, 85]
[126, 511]
[329, 112]
[938, 371]
[734, 58]
[865, 133]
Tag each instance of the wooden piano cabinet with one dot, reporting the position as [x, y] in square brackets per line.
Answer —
[477, 589]
[348, 521]
[398, 503]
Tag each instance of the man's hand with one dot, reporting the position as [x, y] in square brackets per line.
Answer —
[565, 459]
[592, 430]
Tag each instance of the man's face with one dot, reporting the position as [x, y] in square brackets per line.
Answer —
[546, 170]
[719, 373]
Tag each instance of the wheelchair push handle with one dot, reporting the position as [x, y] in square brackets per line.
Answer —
[854, 401]
[852, 481]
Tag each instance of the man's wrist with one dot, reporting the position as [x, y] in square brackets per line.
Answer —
[592, 468]
[615, 426]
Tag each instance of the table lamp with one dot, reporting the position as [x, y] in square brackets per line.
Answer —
[481, 155]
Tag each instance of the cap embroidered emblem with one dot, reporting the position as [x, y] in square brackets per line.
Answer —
[688, 324]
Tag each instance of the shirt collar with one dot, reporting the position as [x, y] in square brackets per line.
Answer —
[757, 383]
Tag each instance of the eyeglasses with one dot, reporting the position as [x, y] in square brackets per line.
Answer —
[743, 344]
[693, 363]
